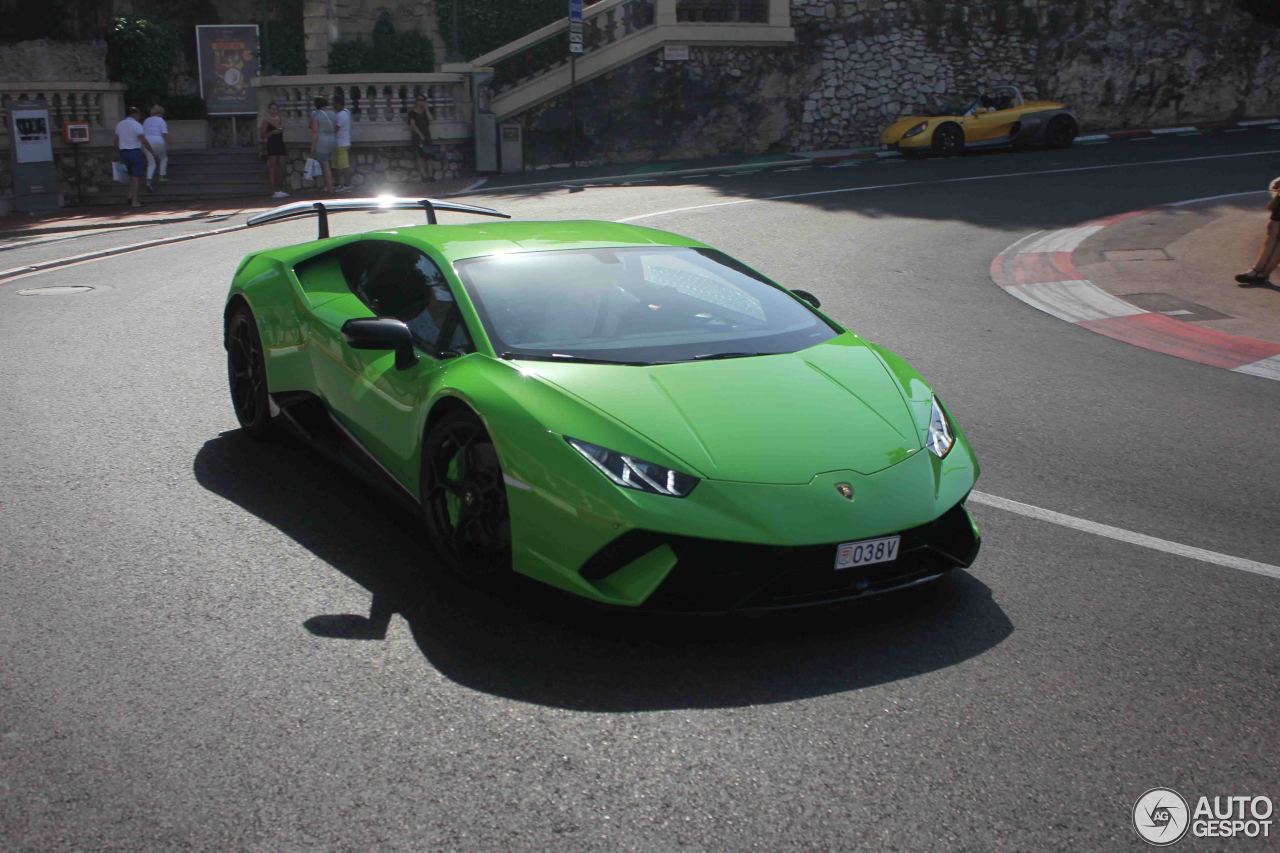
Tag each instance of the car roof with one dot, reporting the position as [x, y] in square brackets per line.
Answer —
[458, 242]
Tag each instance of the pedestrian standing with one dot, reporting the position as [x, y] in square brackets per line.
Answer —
[271, 132]
[342, 151]
[420, 130]
[157, 131]
[1269, 254]
[131, 139]
[323, 140]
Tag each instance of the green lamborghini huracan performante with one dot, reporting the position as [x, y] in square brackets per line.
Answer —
[619, 412]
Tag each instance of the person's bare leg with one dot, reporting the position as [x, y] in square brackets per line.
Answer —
[1268, 247]
[135, 184]
[328, 176]
[1273, 258]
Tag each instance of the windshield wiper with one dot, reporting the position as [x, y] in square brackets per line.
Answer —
[711, 356]
[559, 356]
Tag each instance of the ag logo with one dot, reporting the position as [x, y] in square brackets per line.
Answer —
[1161, 816]
[845, 490]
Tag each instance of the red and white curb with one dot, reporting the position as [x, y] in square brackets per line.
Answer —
[1183, 130]
[1038, 270]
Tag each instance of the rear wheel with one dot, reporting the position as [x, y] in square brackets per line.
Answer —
[464, 498]
[247, 374]
[1061, 132]
[948, 140]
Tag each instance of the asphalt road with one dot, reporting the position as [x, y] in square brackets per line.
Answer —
[208, 644]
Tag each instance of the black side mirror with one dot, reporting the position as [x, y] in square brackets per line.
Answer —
[808, 297]
[382, 333]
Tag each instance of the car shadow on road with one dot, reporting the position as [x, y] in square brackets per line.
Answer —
[533, 646]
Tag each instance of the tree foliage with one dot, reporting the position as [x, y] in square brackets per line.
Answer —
[140, 55]
[284, 48]
[409, 52]
[1263, 11]
[486, 24]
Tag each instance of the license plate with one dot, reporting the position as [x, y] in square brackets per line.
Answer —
[868, 551]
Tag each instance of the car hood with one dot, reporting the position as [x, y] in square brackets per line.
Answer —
[765, 419]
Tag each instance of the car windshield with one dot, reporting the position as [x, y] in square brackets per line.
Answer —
[955, 105]
[641, 305]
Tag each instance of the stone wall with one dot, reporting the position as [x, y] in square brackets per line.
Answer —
[43, 60]
[858, 64]
[378, 169]
[329, 21]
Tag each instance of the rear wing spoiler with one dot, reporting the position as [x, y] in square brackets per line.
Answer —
[322, 209]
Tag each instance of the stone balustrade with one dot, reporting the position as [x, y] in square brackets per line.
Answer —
[379, 104]
[100, 104]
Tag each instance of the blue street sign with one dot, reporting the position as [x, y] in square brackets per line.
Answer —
[575, 10]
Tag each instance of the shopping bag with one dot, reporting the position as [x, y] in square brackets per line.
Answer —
[119, 172]
[311, 169]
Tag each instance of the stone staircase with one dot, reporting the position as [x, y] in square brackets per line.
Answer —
[536, 68]
[201, 175]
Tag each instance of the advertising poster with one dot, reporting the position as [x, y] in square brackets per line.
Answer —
[228, 57]
[31, 142]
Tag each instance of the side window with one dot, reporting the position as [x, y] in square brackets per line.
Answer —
[395, 280]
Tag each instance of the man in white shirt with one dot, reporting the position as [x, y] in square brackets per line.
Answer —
[342, 152]
[156, 130]
[131, 139]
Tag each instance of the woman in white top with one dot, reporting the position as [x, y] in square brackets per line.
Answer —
[156, 130]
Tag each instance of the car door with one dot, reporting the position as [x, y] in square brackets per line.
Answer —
[375, 401]
[994, 120]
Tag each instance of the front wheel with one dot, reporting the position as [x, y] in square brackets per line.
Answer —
[948, 140]
[464, 498]
[247, 374]
[1061, 132]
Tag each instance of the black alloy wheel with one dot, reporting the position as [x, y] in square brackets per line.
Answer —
[464, 498]
[247, 374]
[1061, 132]
[948, 140]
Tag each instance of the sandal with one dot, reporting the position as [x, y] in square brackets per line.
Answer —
[1250, 277]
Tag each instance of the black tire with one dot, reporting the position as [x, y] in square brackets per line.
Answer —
[247, 374]
[464, 498]
[1061, 132]
[948, 140]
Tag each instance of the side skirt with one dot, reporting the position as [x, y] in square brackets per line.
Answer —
[307, 417]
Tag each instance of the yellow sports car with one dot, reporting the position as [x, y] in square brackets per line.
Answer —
[1001, 117]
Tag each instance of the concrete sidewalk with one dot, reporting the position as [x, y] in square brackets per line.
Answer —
[1180, 260]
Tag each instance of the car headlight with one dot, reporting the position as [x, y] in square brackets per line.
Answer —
[632, 473]
[916, 130]
[940, 440]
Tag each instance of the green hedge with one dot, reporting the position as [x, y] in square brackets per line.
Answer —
[140, 55]
[487, 24]
[284, 47]
[394, 52]
[1263, 11]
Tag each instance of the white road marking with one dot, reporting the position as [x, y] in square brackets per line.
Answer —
[936, 182]
[1268, 368]
[1094, 137]
[1062, 240]
[1256, 121]
[1128, 536]
[1143, 139]
[474, 185]
[1073, 301]
[1163, 130]
[1212, 198]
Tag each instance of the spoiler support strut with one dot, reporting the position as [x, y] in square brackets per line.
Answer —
[322, 209]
